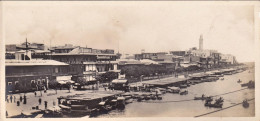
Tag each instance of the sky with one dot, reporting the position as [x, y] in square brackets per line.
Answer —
[132, 26]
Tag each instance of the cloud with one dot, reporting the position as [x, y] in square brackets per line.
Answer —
[131, 27]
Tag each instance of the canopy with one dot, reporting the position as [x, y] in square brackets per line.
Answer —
[122, 81]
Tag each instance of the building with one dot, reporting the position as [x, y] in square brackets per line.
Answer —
[31, 75]
[178, 53]
[87, 62]
[63, 49]
[227, 59]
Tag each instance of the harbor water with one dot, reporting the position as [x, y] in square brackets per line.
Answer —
[175, 105]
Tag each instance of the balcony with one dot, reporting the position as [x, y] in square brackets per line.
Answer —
[27, 74]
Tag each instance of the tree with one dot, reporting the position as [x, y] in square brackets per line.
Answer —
[68, 84]
[82, 82]
[54, 85]
[107, 77]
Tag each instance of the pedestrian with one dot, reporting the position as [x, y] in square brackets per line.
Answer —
[14, 99]
[21, 98]
[105, 88]
[35, 93]
[45, 104]
[18, 103]
[11, 98]
[40, 101]
[24, 99]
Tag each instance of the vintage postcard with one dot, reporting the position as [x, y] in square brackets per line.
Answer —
[130, 59]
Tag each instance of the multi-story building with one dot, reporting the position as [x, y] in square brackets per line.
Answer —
[178, 53]
[29, 75]
[86, 63]
[63, 49]
[227, 59]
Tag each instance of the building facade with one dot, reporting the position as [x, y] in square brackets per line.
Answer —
[31, 75]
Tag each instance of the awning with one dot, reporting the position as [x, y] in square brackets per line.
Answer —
[122, 81]
[65, 81]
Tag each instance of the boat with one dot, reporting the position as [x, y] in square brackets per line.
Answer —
[214, 105]
[113, 103]
[245, 104]
[184, 92]
[203, 97]
[104, 107]
[140, 98]
[217, 104]
[183, 86]
[147, 97]
[121, 102]
[174, 89]
[250, 84]
[153, 97]
[161, 90]
[228, 73]
[239, 81]
[129, 101]
[159, 98]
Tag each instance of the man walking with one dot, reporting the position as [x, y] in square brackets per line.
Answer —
[11, 98]
[35, 93]
[40, 101]
[21, 98]
[24, 99]
[45, 104]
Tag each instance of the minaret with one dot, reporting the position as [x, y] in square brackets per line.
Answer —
[201, 42]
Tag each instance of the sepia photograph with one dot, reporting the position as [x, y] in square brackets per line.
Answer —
[126, 59]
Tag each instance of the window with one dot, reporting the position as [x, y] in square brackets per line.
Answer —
[10, 83]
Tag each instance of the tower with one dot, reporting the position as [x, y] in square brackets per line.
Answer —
[201, 42]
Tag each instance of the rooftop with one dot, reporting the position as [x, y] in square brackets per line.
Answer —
[34, 63]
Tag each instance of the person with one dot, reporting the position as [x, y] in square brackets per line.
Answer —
[21, 98]
[18, 103]
[11, 98]
[35, 93]
[45, 104]
[24, 99]
[40, 101]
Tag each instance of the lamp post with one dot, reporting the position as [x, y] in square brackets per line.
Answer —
[47, 83]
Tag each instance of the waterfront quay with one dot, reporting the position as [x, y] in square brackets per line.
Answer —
[178, 103]
[51, 97]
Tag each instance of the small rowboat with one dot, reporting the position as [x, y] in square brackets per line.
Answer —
[245, 104]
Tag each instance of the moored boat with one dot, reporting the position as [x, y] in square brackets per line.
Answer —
[184, 92]
[245, 104]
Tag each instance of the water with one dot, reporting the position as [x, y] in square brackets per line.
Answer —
[195, 107]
